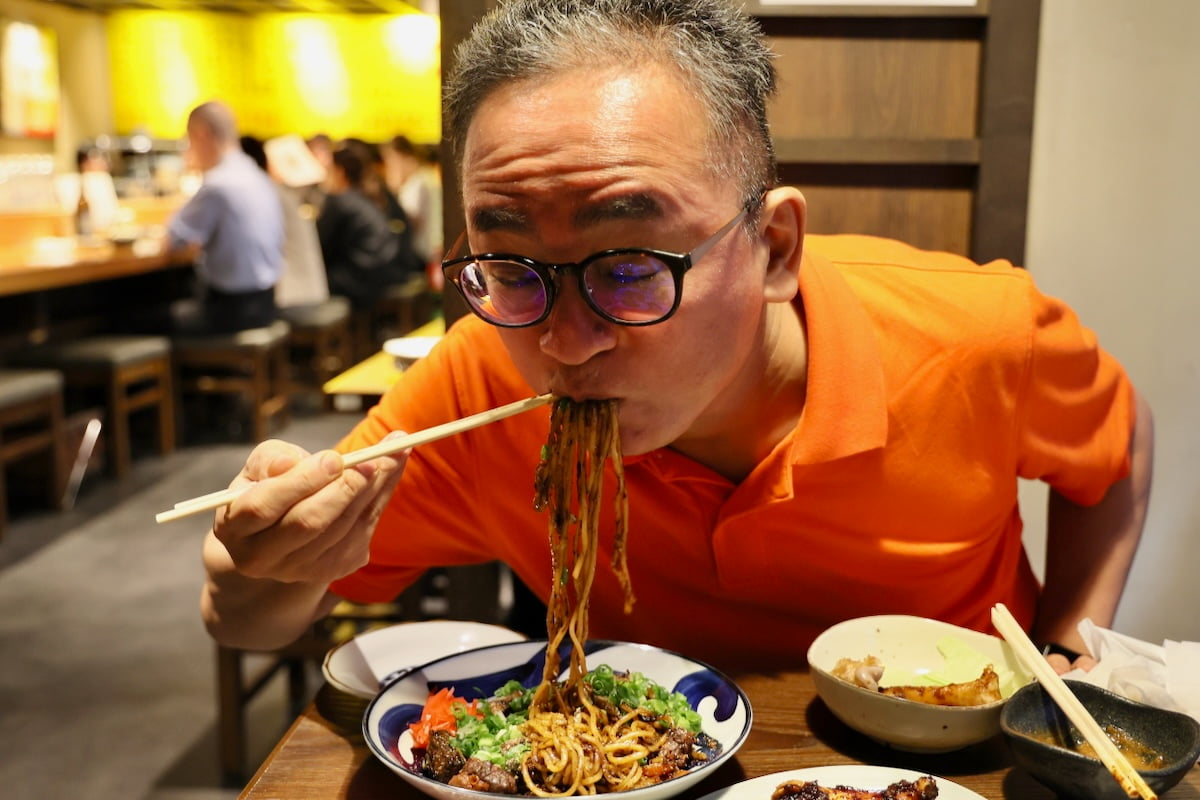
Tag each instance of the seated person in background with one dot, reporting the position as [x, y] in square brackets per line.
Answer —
[814, 428]
[376, 188]
[293, 168]
[412, 176]
[321, 147]
[360, 249]
[236, 219]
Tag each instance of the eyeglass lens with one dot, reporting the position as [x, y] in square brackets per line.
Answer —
[630, 287]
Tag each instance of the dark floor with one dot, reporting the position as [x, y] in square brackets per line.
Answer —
[106, 674]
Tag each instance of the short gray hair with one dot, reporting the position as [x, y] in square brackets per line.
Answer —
[718, 51]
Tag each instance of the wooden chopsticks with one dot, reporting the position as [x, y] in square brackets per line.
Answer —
[208, 502]
[1118, 766]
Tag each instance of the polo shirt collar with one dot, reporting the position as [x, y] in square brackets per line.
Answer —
[845, 409]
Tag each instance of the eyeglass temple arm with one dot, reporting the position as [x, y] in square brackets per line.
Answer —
[704, 247]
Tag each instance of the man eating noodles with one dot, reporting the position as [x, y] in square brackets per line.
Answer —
[814, 427]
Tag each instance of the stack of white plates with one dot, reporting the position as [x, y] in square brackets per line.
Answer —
[363, 664]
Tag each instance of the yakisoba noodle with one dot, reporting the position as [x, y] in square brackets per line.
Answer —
[595, 731]
[578, 747]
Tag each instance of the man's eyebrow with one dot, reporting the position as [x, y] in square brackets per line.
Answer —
[493, 219]
[632, 206]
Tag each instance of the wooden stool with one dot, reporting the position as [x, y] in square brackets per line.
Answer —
[469, 592]
[237, 684]
[320, 345]
[402, 307]
[32, 422]
[252, 363]
[128, 373]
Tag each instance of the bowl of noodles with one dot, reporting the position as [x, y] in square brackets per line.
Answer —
[638, 720]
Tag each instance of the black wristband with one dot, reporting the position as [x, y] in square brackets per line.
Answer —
[1051, 648]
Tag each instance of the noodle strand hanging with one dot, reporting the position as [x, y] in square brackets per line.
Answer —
[591, 732]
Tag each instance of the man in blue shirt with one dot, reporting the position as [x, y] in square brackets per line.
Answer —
[236, 218]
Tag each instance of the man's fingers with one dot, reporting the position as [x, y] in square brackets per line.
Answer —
[315, 519]
[268, 498]
[272, 457]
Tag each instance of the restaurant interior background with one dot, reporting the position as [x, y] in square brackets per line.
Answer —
[1112, 202]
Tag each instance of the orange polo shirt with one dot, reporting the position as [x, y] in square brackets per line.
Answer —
[933, 383]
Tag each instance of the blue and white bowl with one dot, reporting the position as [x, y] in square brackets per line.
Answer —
[723, 707]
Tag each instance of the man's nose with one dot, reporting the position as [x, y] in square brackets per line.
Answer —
[574, 332]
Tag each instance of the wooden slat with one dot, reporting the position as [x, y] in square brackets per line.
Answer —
[1006, 125]
[878, 151]
[897, 83]
[458, 17]
[978, 8]
[931, 218]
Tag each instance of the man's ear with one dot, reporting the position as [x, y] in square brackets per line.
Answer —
[781, 226]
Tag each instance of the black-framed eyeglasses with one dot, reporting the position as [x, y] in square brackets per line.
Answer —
[628, 285]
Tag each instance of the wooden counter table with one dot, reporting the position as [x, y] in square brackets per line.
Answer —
[54, 289]
[23, 269]
[38, 249]
[323, 755]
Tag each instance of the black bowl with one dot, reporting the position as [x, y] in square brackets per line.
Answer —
[1031, 713]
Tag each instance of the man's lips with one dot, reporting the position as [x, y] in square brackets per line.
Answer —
[582, 397]
[580, 393]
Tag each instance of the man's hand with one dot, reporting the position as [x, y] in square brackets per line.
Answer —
[1061, 664]
[274, 550]
[305, 518]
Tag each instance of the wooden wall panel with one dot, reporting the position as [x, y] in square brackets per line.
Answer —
[934, 219]
[876, 88]
[929, 206]
[909, 122]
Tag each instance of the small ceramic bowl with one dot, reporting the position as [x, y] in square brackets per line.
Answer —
[407, 350]
[1031, 719]
[909, 645]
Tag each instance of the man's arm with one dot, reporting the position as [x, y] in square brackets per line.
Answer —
[256, 614]
[1090, 549]
[194, 223]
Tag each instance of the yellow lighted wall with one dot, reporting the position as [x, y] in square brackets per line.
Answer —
[371, 76]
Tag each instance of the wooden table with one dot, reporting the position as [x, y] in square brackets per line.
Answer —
[374, 375]
[323, 754]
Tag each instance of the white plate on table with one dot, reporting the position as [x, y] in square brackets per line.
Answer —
[407, 349]
[856, 776]
[361, 665]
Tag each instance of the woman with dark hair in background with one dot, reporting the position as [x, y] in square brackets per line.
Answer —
[357, 241]
[375, 187]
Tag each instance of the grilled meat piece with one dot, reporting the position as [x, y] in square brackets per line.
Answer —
[442, 759]
[676, 750]
[676, 755]
[981, 691]
[484, 776]
[921, 789]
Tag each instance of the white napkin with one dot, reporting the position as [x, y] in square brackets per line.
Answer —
[1166, 675]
